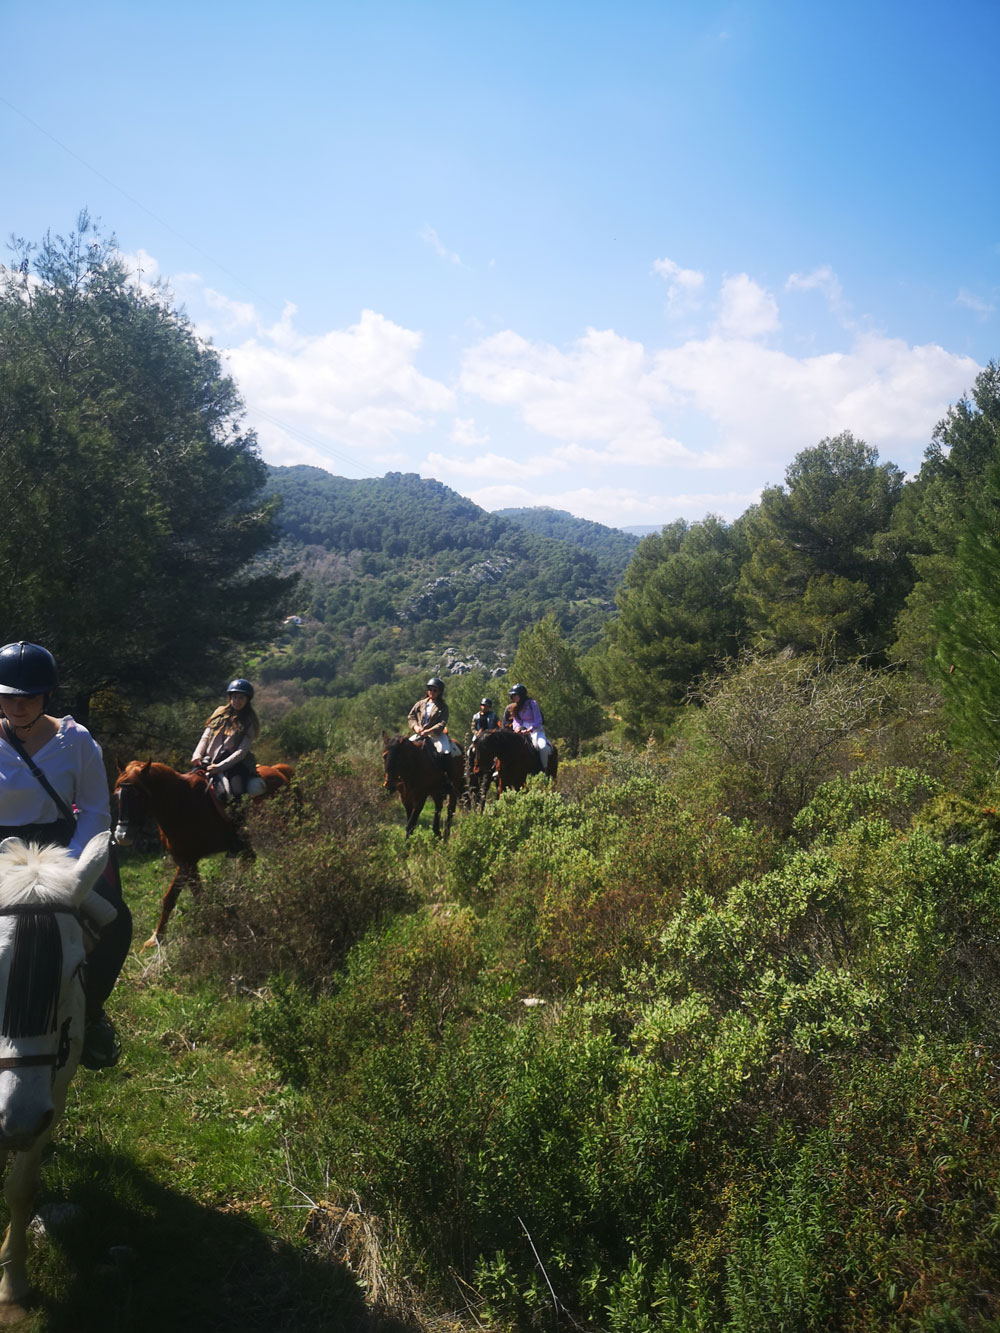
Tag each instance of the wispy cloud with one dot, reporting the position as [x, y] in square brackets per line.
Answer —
[822, 280]
[973, 302]
[684, 286]
[430, 236]
[464, 431]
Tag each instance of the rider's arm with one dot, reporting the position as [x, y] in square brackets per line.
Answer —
[534, 719]
[239, 754]
[201, 749]
[438, 721]
[90, 790]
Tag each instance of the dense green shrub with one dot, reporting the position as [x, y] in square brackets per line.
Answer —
[643, 1066]
[323, 876]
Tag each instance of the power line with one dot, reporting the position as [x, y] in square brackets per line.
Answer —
[138, 204]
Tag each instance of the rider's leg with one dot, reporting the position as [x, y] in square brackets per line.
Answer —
[441, 750]
[540, 741]
[101, 1047]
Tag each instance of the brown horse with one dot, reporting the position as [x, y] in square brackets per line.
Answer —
[478, 780]
[192, 822]
[412, 769]
[513, 756]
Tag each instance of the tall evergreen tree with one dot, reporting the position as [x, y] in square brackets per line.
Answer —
[134, 522]
[967, 626]
[824, 566]
[935, 512]
[550, 670]
[678, 618]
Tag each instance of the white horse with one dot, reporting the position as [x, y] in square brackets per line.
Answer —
[46, 903]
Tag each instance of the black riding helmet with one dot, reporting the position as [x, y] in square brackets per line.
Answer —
[518, 692]
[26, 669]
[436, 683]
[240, 686]
[485, 703]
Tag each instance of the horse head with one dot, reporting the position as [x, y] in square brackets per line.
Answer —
[486, 746]
[128, 796]
[42, 954]
[43, 899]
[395, 752]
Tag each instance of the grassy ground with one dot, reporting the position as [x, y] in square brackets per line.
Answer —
[166, 1200]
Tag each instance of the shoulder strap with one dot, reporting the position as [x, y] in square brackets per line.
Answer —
[15, 744]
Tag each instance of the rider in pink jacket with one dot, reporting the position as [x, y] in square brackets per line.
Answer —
[523, 714]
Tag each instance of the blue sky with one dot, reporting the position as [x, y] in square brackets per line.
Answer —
[627, 259]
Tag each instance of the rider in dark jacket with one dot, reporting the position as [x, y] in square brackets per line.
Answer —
[485, 719]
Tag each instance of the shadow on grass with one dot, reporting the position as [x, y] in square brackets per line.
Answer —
[132, 1254]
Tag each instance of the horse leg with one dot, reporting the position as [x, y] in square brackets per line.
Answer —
[452, 801]
[413, 814]
[185, 875]
[19, 1190]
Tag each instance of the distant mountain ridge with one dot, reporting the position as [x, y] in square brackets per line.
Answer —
[613, 543]
[400, 572]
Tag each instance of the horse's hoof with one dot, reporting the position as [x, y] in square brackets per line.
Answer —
[153, 942]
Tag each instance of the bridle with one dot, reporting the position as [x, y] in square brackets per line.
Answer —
[126, 807]
[57, 1060]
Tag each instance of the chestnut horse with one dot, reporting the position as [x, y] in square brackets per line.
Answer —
[192, 822]
[46, 900]
[514, 757]
[412, 769]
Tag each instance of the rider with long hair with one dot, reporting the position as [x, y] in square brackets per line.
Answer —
[54, 792]
[225, 746]
[524, 716]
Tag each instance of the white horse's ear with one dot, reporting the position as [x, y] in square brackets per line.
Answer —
[90, 866]
[9, 844]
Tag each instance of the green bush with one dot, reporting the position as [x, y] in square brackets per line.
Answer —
[322, 878]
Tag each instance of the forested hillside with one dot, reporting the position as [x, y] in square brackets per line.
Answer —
[614, 545]
[396, 570]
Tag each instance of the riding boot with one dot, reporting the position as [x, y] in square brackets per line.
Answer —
[101, 1046]
[237, 811]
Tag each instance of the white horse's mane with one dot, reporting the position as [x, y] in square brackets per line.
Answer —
[33, 874]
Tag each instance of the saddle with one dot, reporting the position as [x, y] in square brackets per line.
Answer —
[199, 772]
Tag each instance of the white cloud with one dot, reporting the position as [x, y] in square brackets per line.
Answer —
[746, 309]
[599, 390]
[769, 405]
[357, 388]
[606, 425]
[431, 237]
[465, 431]
[143, 269]
[684, 286]
[489, 465]
[973, 302]
[822, 279]
[234, 314]
[617, 506]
